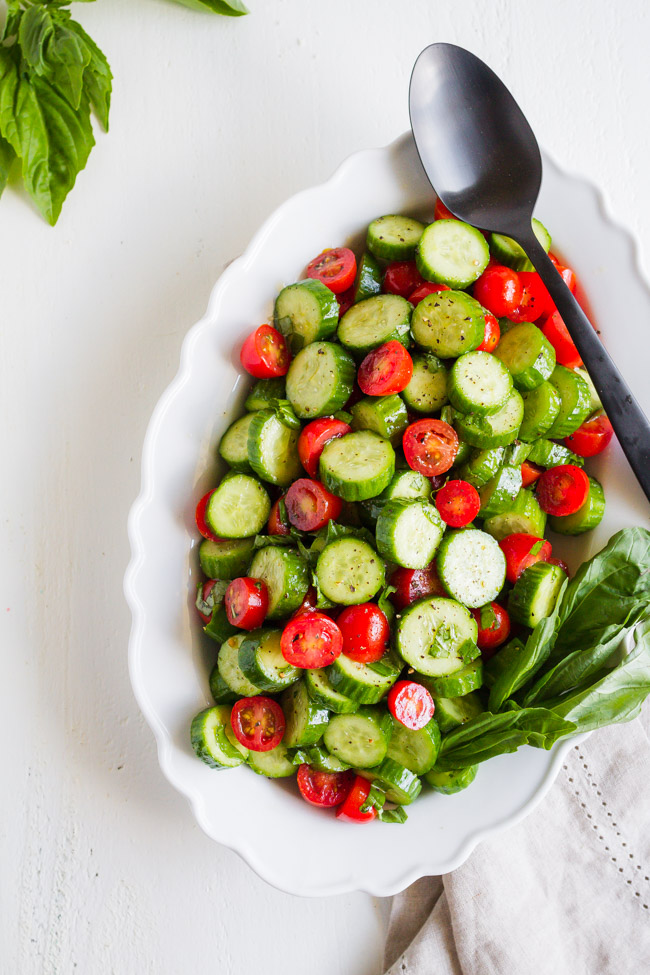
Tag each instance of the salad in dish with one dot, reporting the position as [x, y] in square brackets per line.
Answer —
[387, 609]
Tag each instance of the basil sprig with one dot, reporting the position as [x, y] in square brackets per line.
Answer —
[228, 8]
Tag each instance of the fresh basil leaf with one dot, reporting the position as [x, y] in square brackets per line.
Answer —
[381, 668]
[228, 8]
[12, 21]
[97, 76]
[7, 157]
[283, 515]
[537, 547]
[385, 604]
[299, 757]
[264, 541]
[284, 412]
[490, 734]
[68, 58]
[444, 641]
[488, 617]
[215, 597]
[34, 33]
[374, 800]
[335, 529]
[322, 602]
[395, 815]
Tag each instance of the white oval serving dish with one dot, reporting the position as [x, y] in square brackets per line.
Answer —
[291, 845]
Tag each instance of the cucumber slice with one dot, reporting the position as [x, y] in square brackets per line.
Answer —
[458, 684]
[436, 636]
[524, 515]
[585, 518]
[357, 466]
[541, 407]
[369, 278]
[238, 508]
[219, 628]
[324, 695]
[349, 571]
[497, 429]
[595, 398]
[272, 448]
[471, 566]
[481, 466]
[233, 446]
[415, 750]
[286, 575]
[535, 593]
[408, 485]
[261, 661]
[230, 671]
[226, 559]
[361, 739]
[545, 453]
[516, 453]
[400, 784]
[448, 323]
[479, 383]
[452, 252]
[210, 741]
[364, 683]
[454, 711]
[528, 355]
[499, 493]
[306, 721]
[220, 691]
[507, 251]
[385, 415]
[263, 392]
[320, 759]
[575, 402]
[451, 782]
[373, 322]
[409, 532]
[306, 312]
[274, 764]
[393, 237]
[427, 388]
[320, 380]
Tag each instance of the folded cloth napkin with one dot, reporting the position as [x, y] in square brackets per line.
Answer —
[566, 892]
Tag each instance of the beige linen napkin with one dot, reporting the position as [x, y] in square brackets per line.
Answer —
[566, 892]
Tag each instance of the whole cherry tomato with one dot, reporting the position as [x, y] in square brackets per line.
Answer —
[311, 640]
[402, 278]
[493, 628]
[365, 632]
[499, 290]
[522, 550]
[592, 437]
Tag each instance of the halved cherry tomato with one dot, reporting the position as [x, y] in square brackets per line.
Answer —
[517, 550]
[308, 605]
[275, 525]
[430, 446]
[311, 640]
[535, 299]
[529, 473]
[554, 560]
[336, 267]
[428, 288]
[412, 584]
[313, 438]
[365, 632]
[310, 505]
[592, 437]
[458, 503]
[345, 300]
[257, 723]
[201, 523]
[440, 212]
[491, 335]
[350, 809]
[324, 788]
[567, 275]
[385, 370]
[265, 354]
[496, 630]
[246, 602]
[205, 596]
[499, 290]
[558, 335]
[411, 704]
[402, 278]
[562, 490]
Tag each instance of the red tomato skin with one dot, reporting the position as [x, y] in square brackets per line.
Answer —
[275, 525]
[591, 438]
[257, 723]
[265, 354]
[567, 275]
[430, 446]
[554, 560]
[311, 640]
[308, 605]
[313, 438]
[558, 335]
[440, 212]
[411, 704]
[458, 503]
[386, 370]
[206, 589]
[499, 289]
[324, 789]
[428, 288]
[310, 505]
[535, 297]
[345, 300]
[335, 267]
[412, 584]
[516, 548]
[365, 632]
[201, 523]
[562, 490]
[349, 810]
[492, 637]
[402, 278]
[529, 473]
[246, 602]
[491, 336]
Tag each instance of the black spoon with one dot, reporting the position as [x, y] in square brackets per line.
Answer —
[483, 161]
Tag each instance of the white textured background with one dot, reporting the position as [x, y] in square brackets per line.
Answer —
[214, 123]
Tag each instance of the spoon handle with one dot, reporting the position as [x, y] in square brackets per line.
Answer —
[628, 419]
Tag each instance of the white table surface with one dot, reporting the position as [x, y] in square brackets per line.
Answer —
[214, 123]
